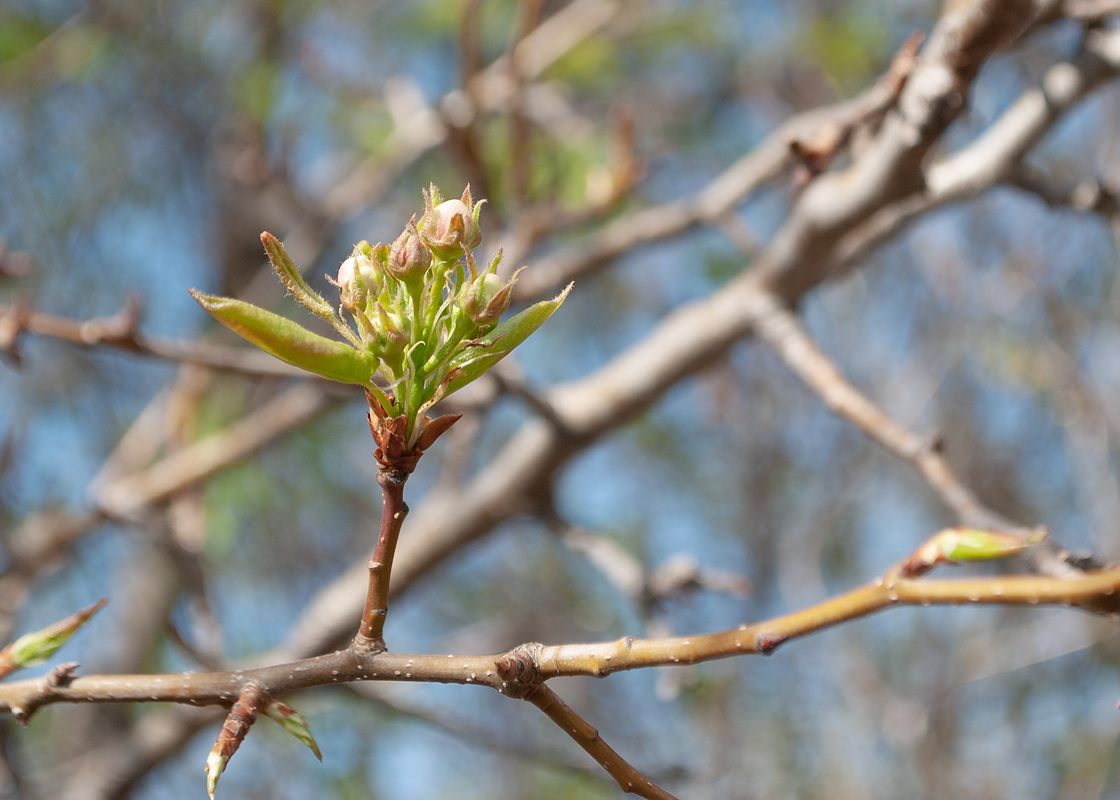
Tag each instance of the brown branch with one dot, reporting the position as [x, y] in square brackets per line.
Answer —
[776, 324]
[393, 511]
[130, 496]
[519, 671]
[995, 156]
[603, 658]
[629, 779]
[119, 331]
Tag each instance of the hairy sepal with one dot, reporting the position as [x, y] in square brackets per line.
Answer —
[292, 279]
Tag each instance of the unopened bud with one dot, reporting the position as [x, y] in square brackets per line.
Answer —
[451, 228]
[958, 545]
[486, 299]
[408, 258]
[358, 279]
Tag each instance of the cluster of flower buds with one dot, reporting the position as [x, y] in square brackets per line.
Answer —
[423, 318]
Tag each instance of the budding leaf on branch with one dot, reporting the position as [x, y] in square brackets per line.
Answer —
[291, 342]
[960, 545]
[215, 766]
[294, 723]
[475, 360]
[37, 647]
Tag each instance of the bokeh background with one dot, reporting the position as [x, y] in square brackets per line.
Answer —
[145, 145]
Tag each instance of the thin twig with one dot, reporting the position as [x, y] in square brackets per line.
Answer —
[776, 324]
[119, 331]
[129, 496]
[586, 736]
[518, 671]
[393, 511]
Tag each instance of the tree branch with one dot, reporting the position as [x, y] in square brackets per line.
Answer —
[776, 324]
[119, 331]
[587, 737]
[129, 496]
[393, 511]
[519, 671]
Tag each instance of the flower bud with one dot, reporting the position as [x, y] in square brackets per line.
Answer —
[451, 228]
[358, 279]
[408, 257]
[486, 298]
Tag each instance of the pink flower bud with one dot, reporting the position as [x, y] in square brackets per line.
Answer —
[357, 279]
[486, 299]
[408, 257]
[451, 228]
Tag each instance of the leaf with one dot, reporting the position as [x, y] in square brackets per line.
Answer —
[970, 544]
[215, 766]
[35, 648]
[290, 342]
[294, 723]
[958, 545]
[478, 357]
[293, 280]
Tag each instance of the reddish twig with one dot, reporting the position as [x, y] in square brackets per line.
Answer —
[393, 511]
[586, 736]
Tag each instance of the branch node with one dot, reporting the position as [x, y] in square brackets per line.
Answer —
[766, 643]
[62, 674]
[518, 668]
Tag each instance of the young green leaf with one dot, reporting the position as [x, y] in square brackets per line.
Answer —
[959, 545]
[294, 723]
[291, 342]
[480, 356]
[970, 544]
[35, 648]
[215, 766]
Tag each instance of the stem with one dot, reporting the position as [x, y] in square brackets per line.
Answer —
[629, 779]
[393, 511]
[521, 671]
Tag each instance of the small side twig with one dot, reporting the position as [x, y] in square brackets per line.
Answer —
[128, 496]
[242, 715]
[119, 331]
[815, 154]
[393, 511]
[586, 736]
[777, 325]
